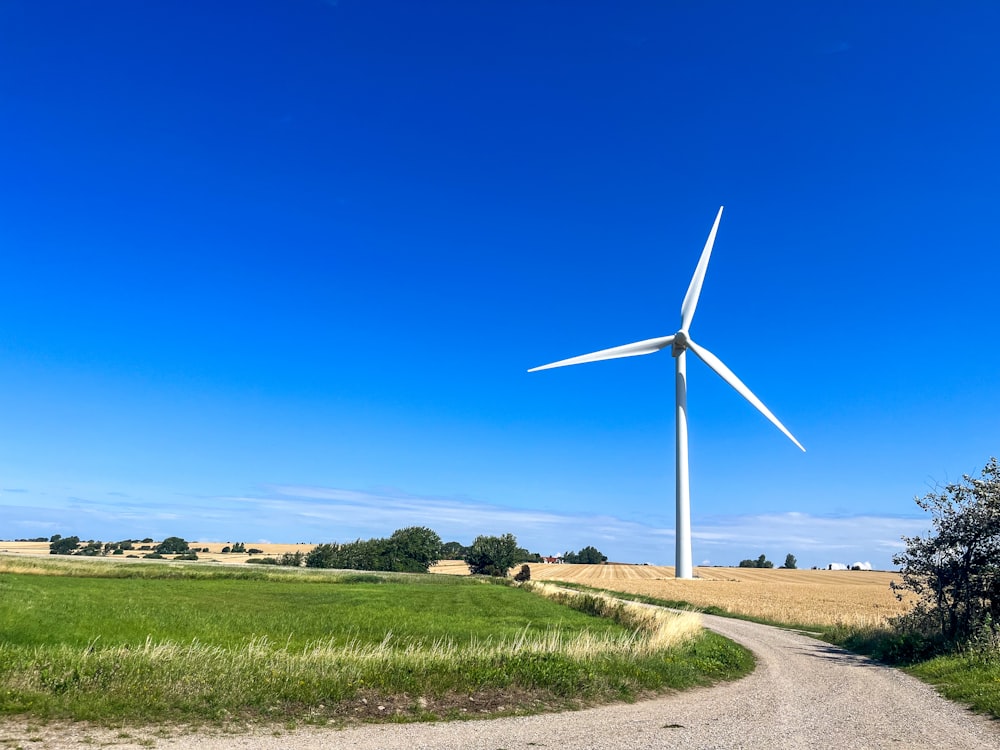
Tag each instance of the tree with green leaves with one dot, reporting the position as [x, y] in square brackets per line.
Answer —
[760, 562]
[63, 545]
[172, 545]
[790, 562]
[414, 549]
[955, 569]
[492, 555]
[453, 551]
[591, 556]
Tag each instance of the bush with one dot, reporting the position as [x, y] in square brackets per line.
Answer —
[524, 574]
[292, 559]
[262, 561]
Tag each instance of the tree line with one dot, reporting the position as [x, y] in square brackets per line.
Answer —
[172, 545]
[763, 562]
[410, 550]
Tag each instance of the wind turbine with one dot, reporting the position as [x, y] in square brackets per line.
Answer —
[680, 343]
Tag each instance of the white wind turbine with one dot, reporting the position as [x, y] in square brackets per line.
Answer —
[680, 342]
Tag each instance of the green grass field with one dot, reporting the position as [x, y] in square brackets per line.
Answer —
[153, 643]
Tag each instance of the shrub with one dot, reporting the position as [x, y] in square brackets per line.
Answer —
[292, 559]
[524, 574]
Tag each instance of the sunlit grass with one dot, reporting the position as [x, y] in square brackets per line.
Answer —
[220, 645]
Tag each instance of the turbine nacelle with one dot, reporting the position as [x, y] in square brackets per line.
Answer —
[680, 343]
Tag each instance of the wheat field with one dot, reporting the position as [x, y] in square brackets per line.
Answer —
[804, 597]
[214, 555]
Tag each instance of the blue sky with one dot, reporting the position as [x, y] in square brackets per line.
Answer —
[276, 270]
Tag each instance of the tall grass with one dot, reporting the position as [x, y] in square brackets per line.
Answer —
[661, 629]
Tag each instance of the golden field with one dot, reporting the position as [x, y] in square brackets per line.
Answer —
[215, 555]
[855, 598]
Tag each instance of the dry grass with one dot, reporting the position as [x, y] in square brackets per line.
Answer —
[661, 629]
[856, 599]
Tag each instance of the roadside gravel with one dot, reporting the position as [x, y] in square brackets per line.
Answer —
[804, 694]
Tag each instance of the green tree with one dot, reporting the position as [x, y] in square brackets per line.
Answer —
[63, 545]
[790, 562]
[760, 562]
[292, 559]
[414, 549]
[492, 555]
[591, 555]
[955, 570]
[453, 551]
[524, 555]
[90, 549]
[322, 556]
[172, 545]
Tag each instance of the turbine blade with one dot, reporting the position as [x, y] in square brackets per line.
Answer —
[730, 377]
[694, 288]
[628, 350]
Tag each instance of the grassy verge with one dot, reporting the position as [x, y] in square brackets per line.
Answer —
[972, 678]
[968, 678]
[144, 644]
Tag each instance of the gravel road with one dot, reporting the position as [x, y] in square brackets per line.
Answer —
[803, 694]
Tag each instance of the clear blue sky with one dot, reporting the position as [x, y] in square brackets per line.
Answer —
[275, 270]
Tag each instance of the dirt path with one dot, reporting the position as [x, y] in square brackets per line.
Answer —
[803, 694]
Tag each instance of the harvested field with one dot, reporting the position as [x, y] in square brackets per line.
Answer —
[214, 555]
[804, 597]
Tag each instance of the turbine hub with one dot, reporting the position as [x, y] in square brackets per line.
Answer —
[680, 343]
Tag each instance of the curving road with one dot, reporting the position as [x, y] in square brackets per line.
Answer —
[803, 694]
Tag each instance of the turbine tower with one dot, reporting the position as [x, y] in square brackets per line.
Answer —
[679, 344]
